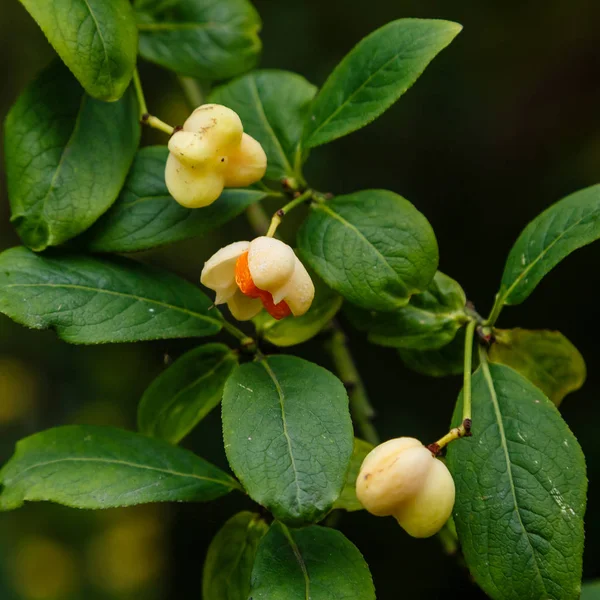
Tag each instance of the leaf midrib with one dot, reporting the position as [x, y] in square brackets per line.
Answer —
[263, 116]
[122, 463]
[300, 560]
[357, 231]
[175, 26]
[355, 92]
[168, 405]
[110, 77]
[541, 255]
[231, 585]
[490, 383]
[286, 434]
[57, 170]
[120, 294]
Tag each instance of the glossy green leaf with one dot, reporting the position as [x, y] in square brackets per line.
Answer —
[92, 301]
[289, 332]
[378, 70]
[315, 562]
[145, 215]
[58, 184]
[590, 590]
[204, 39]
[288, 435]
[180, 397]
[547, 358]
[348, 500]
[520, 491]
[96, 39]
[429, 321]
[373, 247]
[564, 227]
[230, 558]
[85, 466]
[441, 362]
[273, 106]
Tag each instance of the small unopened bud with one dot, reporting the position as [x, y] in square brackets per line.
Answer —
[402, 478]
[211, 152]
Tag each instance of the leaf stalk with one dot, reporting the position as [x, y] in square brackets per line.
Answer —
[145, 117]
[464, 429]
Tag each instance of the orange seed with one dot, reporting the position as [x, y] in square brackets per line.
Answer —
[244, 281]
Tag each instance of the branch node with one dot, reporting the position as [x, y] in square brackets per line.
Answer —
[434, 449]
[485, 335]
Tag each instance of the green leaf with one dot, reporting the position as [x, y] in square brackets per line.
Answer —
[93, 301]
[180, 397]
[288, 435]
[58, 183]
[85, 466]
[373, 247]
[289, 332]
[273, 106]
[441, 362]
[96, 39]
[590, 590]
[547, 358]
[230, 557]
[316, 562]
[145, 215]
[348, 500]
[204, 39]
[429, 321]
[520, 491]
[569, 224]
[378, 70]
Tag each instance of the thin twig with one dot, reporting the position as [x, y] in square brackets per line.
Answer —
[360, 407]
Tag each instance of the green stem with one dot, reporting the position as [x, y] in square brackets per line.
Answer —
[464, 429]
[496, 310]
[139, 92]
[468, 367]
[282, 212]
[145, 117]
[483, 358]
[246, 341]
[298, 167]
[360, 407]
[265, 188]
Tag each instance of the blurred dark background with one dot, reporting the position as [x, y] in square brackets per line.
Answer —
[503, 123]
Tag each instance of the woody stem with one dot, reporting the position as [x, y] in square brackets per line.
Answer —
[360, 407]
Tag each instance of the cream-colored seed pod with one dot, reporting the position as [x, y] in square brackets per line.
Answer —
[218, 273]
[210, 153]
[402, 478]
[263, 273]
[271, 263]
[247, 164]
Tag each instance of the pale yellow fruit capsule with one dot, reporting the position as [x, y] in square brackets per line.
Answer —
[246, 164]
[210, 153]
[402, 478]
[263, 273]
